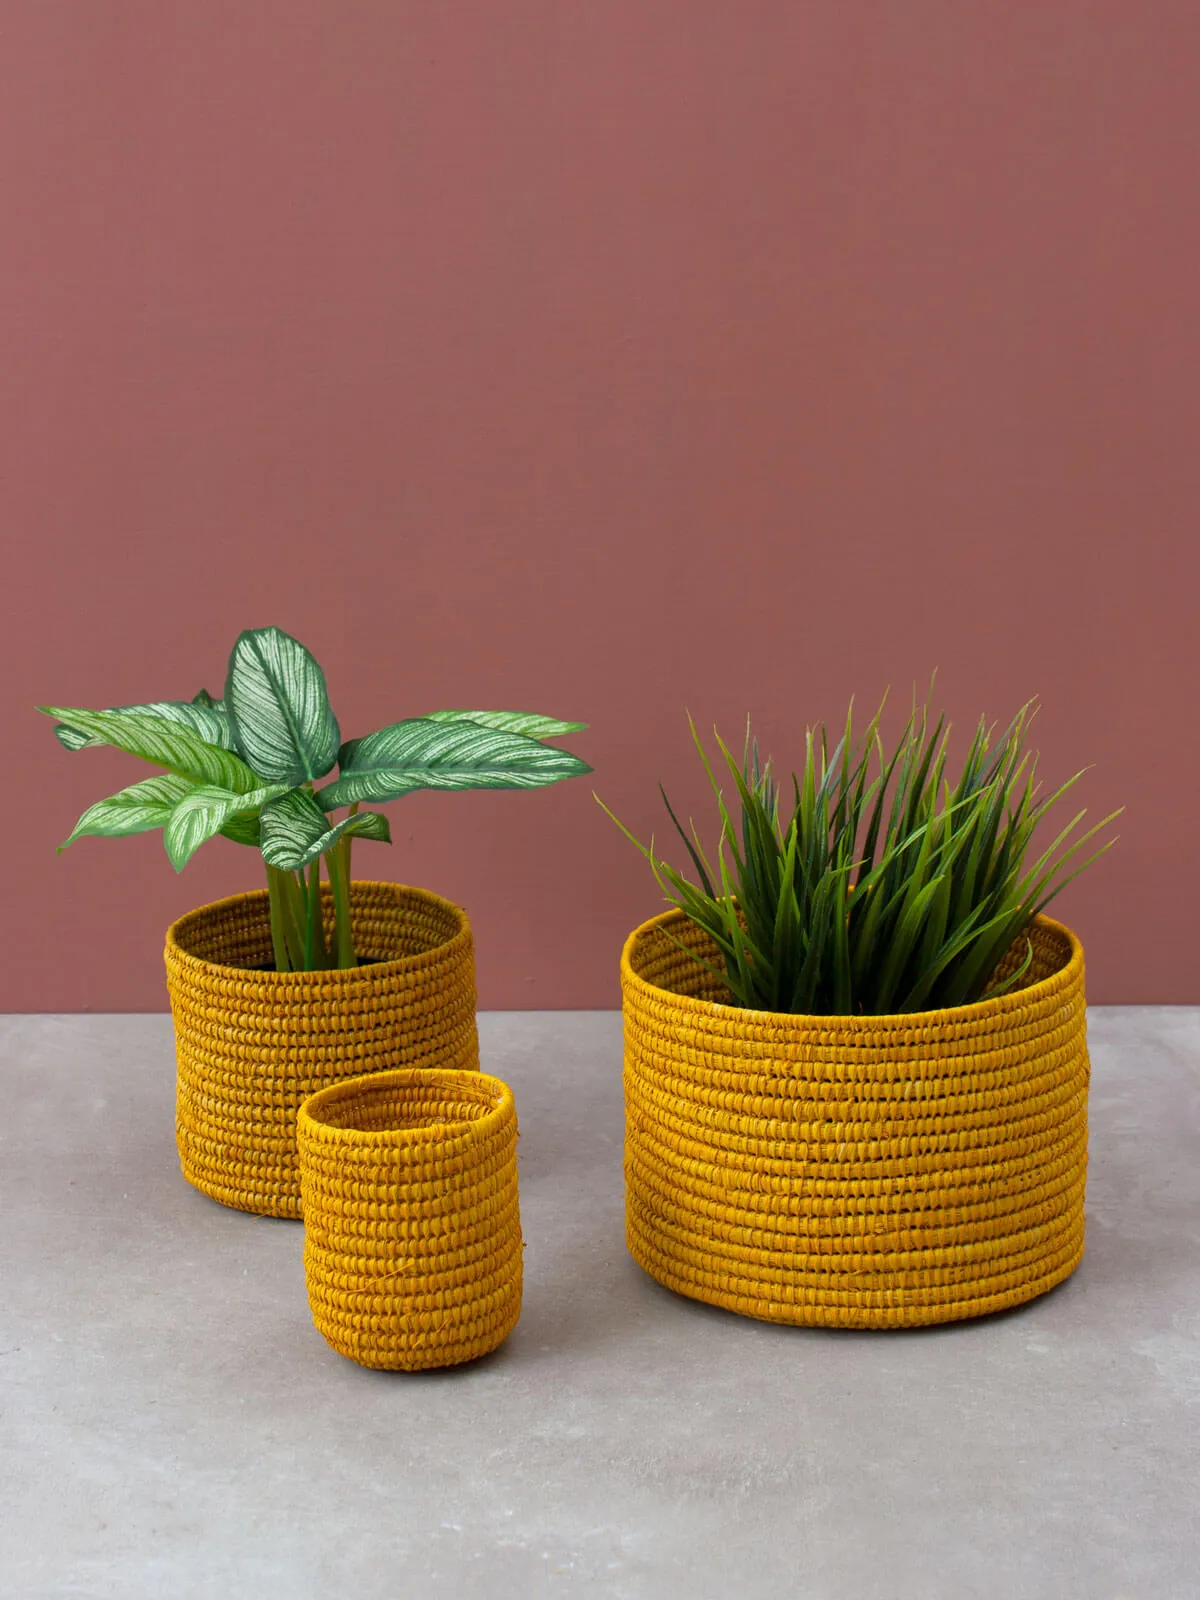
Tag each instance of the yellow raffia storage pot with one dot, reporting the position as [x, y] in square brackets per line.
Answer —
[251, 1046]
[856, 1172]
[412, 1234]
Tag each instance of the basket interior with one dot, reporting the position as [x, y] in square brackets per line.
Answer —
[402, 1107]
[390, 922]
[657, 959]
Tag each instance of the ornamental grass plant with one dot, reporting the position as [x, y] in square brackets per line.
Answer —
[872, 885]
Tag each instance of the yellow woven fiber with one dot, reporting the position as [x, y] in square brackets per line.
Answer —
[412, 1235]
[251, 1046]
[858, 1172]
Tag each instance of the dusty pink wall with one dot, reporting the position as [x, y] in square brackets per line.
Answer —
[601, 359]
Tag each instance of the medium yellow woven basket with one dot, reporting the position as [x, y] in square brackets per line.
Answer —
[859, 1172]
[412, 1234]
[252, 1045]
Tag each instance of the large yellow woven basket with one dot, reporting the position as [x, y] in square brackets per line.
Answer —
[252, 1045]
[860, 1172]
[412, 1234]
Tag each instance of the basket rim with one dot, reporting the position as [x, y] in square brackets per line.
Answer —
[309, 1123]
[790, 1021]
[377, 969]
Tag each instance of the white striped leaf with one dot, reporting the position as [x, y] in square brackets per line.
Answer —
[424, 754]
[205, 717]
[243, 830]
[529, 723]
[138, 809]
[275, 693]
[296, 831]
[204, 811]
[162, 741]
[167, 743]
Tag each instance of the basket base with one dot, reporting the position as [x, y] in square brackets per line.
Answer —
[428, 1356]
[903, 1306]
[276, 1201]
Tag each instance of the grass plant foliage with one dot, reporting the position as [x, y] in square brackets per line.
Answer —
[875, 886]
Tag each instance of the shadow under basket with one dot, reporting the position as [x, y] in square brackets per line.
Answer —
[412, 1232]
[862, 1171]
[252, 1046]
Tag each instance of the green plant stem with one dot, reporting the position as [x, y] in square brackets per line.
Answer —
[292, 901]
[287, 920]
[323, 958]
[275, 893]
[339, 881]
[312, 912]
[316, 957]
[344, 845]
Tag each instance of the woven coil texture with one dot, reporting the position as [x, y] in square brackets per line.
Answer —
[859, 1172]
[412, 1233]
[251, 1046]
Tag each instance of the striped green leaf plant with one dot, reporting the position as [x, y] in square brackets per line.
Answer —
[257, 766]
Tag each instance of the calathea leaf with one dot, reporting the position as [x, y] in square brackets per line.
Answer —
[166, 742]
[204, 811]
[71, 738]
[529, 723]
[282, 721]
[296, 831]
[138, 809]
[207, 718]
[243, 830]
[424, 754]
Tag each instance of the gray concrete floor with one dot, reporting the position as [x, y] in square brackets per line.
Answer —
[173, 1427]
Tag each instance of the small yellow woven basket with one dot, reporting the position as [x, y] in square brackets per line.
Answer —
[858, 1172]
[252, 1045]
[412, 1234]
